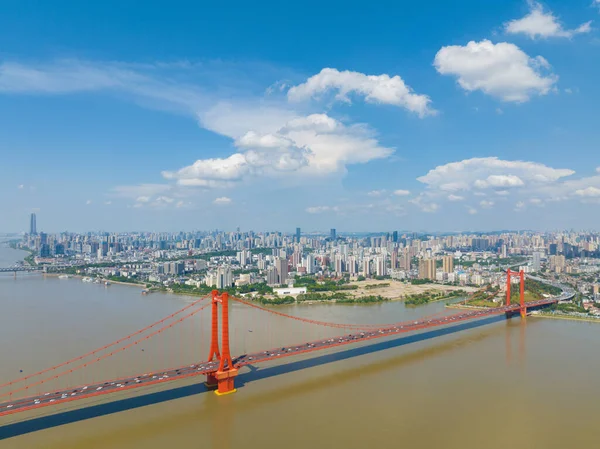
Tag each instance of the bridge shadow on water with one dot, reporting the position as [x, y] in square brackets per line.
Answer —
[93, 411]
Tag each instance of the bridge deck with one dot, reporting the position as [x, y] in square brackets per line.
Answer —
[208, 367]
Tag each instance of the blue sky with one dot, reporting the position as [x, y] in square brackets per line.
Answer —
[440, 116]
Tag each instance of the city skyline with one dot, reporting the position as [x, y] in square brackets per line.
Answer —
[484, 122]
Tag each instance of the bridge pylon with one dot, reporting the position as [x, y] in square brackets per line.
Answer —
[521, 275]
[223, 378]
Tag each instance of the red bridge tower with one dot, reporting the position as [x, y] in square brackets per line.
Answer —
[521, 274]
[223, 379]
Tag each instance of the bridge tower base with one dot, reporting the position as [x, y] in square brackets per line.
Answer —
[226, 383]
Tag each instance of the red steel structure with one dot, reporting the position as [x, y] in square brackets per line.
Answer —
[220, 368]
[521, 275]
[223, 378]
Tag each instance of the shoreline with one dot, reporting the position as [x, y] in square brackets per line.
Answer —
[566, 317]
[78, 276]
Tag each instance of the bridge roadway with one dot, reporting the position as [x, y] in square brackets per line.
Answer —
[209, 367]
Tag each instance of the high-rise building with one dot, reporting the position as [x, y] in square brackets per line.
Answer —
[448, 264]
[32, 224]
[381, 268]
[309, 264]
[394, 259]
[272, 276]
[405, 259]
[537, 261]
[557, 263]
[427, 269]
[298, 235]
[395, 236]
[224, 277]
[281, 265]
[332, 234]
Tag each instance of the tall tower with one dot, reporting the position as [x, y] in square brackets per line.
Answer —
[332, 234]
[32, 225]
[297, 235]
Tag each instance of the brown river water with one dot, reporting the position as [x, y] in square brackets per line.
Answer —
[502, 384]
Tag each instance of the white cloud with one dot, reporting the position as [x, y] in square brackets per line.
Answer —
[499, 181]
[272, 138]
[401, 192]
[222, 200]
[536, 201]
[501, 70]
[588, 192]
[453, 197]
[319, 209]
[520, 206]
[381, 89]
[312, 145]
[88, 202]
[486, 204]
[540, 23]
[21, 186]
[502, 192]
[108, 203]
[471, 210]
[489, 172]
[376, 192]
[598, 168]
[424, 203]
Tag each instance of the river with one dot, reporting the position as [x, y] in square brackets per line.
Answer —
[500, 385]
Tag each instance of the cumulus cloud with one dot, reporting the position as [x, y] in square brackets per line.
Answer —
[376, 192]
[382, 89]
[501, 70]
[486, 204]
[490, 172]
[311, 145]
[543, 24]
[453, 197]
[588, 192]
[471, 210]
[222, 200]
[499, 181]
[401, 192]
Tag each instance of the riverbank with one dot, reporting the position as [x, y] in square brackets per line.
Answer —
[78, 276]
[565, 317]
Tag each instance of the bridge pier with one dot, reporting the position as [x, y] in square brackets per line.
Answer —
[225, 381]
[211, 381]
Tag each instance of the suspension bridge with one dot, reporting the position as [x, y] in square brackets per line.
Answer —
[39, 389]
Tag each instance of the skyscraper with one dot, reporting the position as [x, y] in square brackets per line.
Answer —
[281, 265]
[537, 259]
[32, 225]
[298, 235]
[395, 236]
[332, 234]
[448, 264]
[427, 269]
